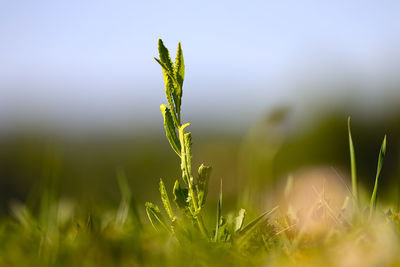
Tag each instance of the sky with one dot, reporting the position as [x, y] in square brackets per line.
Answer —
[90, 63]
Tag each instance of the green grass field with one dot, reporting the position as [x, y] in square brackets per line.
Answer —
[319, 219]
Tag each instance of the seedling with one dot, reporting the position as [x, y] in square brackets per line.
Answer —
[190, 194]
[382, 153]
[381, 157]
[354, 185]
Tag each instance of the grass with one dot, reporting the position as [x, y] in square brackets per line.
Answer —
[61, 232]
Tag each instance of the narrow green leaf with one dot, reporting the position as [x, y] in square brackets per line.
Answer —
[164, 55]
[170, 130]
[353, 167]
[124, 206]
[188, 149]
[155, 216]
[185, 174]
[381, 157]
[179, 73]
[165, 200]
[179, 68]
[223, 231]
[180, 196]
[135, 213]
[203, 178]
[123, 185]
[21, 213]
[173, 90]
[256, 221]
[219, 209]
[169, 90]
[239, 220]
[167, 71]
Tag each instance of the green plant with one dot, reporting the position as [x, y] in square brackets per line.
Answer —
[49, 230]
[354, 185]
[382, 153]
[381, 157]
[190, 194]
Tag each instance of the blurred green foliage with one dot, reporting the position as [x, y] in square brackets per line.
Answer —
[84, 168]
[78, 201]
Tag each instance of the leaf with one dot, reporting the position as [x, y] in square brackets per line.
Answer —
[165, 200]
[256, 221]
[188, 149]
[179, 74]
[179, 68]
[180, 196]
[169, 80]
[124, 206]
[165, 68]
[219, 209]
[239, 220]
[381, 157]
[186, 176]
[155, 216]
[170, 130]
[123, 185]
[164, 55]
[223, 230]
[203, 178]
[353, 166]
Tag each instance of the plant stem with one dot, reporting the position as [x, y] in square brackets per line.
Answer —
[189, 180]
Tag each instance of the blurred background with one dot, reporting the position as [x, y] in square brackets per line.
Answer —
[269, 86]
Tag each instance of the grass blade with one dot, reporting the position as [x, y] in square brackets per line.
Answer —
[257, 220]
[353, 168]
[382, 153]
[245, 233]
[124, 206]
[219, 208]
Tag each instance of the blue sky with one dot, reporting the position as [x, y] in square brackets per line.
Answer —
[90, 62]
